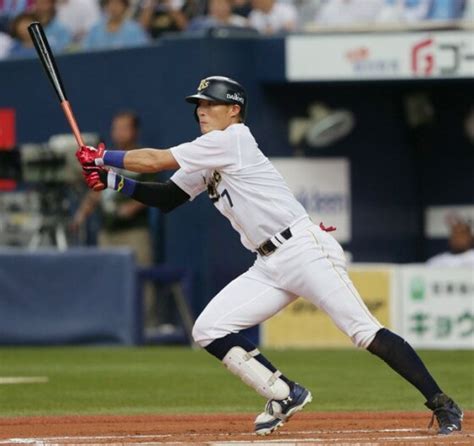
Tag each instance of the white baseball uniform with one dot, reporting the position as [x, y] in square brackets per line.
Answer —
[251, 193]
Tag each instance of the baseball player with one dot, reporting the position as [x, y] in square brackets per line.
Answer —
[294, 256]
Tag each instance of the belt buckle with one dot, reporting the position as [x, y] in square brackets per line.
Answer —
[264, 250]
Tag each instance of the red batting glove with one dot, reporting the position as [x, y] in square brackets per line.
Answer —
[91, 156]
[95, 177]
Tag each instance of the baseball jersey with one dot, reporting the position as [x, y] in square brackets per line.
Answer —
[241, 182]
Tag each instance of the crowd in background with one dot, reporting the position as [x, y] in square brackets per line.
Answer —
[74, 25]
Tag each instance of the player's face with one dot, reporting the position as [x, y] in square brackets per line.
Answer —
[216, 116]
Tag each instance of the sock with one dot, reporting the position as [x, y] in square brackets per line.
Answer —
[401, 357]
[220, 347]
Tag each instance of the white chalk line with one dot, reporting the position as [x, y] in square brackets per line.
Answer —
[23, 379]
[134, 439]
[338, 441]
[81, 438]
[196, 434]
[343, 441]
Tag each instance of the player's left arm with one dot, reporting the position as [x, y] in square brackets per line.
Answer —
[164, 196]
[140, 160]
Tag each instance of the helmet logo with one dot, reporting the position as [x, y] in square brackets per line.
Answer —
[235, 97]
[203, 84]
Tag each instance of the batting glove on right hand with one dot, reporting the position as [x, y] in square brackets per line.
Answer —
[91, 156]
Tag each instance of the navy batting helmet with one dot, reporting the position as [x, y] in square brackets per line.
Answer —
[221, 89]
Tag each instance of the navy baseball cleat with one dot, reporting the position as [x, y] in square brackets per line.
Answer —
[277, 412]
[447, 412]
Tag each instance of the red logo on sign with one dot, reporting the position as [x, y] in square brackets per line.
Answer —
[358, 54]
[422, 57]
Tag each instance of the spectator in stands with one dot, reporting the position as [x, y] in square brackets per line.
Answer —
[220, 15]
[78, 16]
[6, 43]
[307, 11]
[241, 7]
[22, 44]
[58, 35]
[348, 12]
[9, 9]
[469, 11]
[410, 11]
[115, 30]
[270, 17]
[446, 10]
[461, 247]
[124, 220]
[160, 16]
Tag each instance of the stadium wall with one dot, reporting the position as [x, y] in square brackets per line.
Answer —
[395, 170]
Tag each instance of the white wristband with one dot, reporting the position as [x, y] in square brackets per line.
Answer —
[111, 176]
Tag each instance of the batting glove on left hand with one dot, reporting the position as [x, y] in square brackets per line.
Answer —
[95, 177]
[91, 156]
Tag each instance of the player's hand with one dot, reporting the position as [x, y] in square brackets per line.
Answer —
[95, 177]
[91, 156]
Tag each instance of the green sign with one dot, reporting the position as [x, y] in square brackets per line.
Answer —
[417, 288]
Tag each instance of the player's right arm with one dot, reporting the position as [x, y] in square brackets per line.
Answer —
[214, 150]
[164, 196]
[140, 160]
[148, 160]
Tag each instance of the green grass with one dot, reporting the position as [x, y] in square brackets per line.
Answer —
[171, 380]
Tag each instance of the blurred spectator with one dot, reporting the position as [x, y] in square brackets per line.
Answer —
[160, 16]
[78, 16]
[270, 17]
[348, 12]
[115, 30]
[404, 11]
[446, 9]
[241, 7]
[9, 9]
[220, 14]
[6, 43]
[461, 247]
[469, 11]
[307, 11]
[469, 125]
[22, 44]
[124, 220]
[58, 35]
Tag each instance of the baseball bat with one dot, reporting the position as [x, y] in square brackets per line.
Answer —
[49, 64]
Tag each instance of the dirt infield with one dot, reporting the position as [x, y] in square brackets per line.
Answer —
[318, 428]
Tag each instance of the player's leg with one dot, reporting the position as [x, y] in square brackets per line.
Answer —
[243, 303]
[325, 282]
[402, 358]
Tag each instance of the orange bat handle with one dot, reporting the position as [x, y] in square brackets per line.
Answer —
[72, 122]
[75, 130]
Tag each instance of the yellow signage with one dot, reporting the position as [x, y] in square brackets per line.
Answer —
[303, 325]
